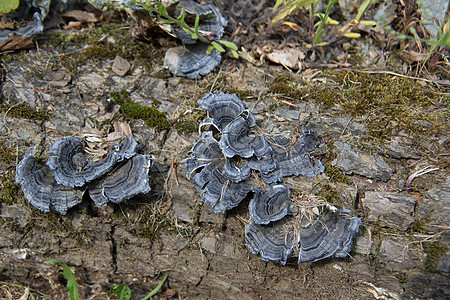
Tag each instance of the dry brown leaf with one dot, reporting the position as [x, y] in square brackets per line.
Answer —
[73, 24]
[122, 127]
[82, 16]
[288, 57]
[412, 56]
[16, 42]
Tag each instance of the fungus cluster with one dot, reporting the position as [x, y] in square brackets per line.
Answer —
[69, 174]
[191, 59]
[229, 162]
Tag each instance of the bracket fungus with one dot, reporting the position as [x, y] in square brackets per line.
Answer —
[221, 182]
[220, 193]
[205, 151]
[330, 235]
[211, 21]
[41, 189]
[237, 140]
[236, 169]
[270, 204]
[70, 164]
[274, 242]
[121, 175]
[191, 61]
[126, 180]
[290, 159]
[224, 108]
[280, 227]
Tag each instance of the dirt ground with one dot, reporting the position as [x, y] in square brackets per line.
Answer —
[66, 86]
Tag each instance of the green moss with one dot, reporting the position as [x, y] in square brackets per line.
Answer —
[7, 58]
[92, 45]
[434, 251]
[391, 103]
[23, 110]
[242, 92]
[151, 115]
[328, 193]
[286, 85]
[326, 97]
[336, 175]
[10, 191]
[418, 226]
[186, 126]
[8, 154]
[163, 74]
[95, 51]
[402, 278]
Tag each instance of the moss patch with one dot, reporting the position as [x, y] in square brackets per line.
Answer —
[287, 85]
[328, 193]
[151, 223]
[10, 191]
[391, 103]
[186, 126]
[434, 251]
[105, 42]
[23, 110]
[336, 175]
[151, 115]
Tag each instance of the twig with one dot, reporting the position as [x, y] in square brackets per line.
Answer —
[4, 117]
[397, 74]
[421, 172]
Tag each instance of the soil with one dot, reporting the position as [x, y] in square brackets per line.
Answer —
[67, 86]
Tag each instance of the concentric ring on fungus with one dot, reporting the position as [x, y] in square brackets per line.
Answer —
[71, 166]
[41, 190]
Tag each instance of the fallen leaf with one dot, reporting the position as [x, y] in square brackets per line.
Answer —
[412, 56]
[82, 16]
[122, 127]
[16, 42]
[73, 24]
[288, 57]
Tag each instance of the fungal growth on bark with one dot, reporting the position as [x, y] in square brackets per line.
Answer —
[61, 183]
[211, 21]
[72, 167]
[126, 180]
[237, 140]
[274, 242]
[231, 161]
[41, 189]
[191, 60]
[221, 183]
[224, 108]
[289, 159]
[329, 235]
[270, 204]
